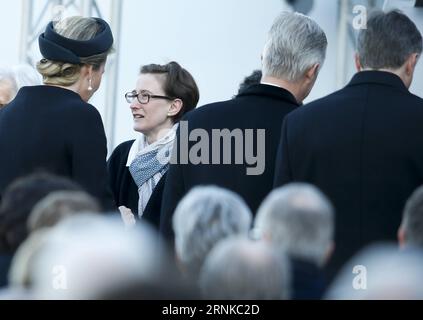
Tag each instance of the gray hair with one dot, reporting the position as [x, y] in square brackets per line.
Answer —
[20, 269]
[7, 77]
[59, 205]
[86, 256]
[242, 269]
[205, 216]
[388, 41]
[380, 272]
[299, 219]
[6, 74]
[295, 44]
[412, 221]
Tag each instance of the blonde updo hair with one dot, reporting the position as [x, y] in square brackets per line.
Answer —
[67, 74]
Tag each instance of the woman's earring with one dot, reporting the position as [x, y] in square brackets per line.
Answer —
[90, 87]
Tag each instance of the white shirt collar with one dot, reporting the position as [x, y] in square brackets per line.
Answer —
[271, 84]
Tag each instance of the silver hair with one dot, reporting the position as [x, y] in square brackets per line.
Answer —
[205, 216]
[299, 219]
[295, 44]
[241, 269]
[7, 75]
[86, 256]
[412, 221]
[380, 272]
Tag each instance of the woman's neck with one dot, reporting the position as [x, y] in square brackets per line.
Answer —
[157, 134]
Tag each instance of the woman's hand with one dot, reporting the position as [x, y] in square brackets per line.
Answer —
[127, 216]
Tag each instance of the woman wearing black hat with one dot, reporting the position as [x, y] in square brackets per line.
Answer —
[52, 127]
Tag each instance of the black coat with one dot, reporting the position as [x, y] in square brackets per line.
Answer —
[51, 129]
[258, 107]
[308, 280]
[125, 190]
[363, 147]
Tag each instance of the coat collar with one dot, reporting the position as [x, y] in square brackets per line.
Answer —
[269, 91]
[378, 77]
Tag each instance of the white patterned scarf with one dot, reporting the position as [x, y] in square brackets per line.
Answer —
[148, 163]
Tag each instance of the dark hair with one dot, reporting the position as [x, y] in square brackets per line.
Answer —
[388, 41]
[178, 83]
[251, 80]
[413, 219]
[18, 201]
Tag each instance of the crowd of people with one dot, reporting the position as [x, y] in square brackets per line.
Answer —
[175, 215]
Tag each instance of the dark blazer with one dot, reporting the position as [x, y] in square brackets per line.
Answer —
[362, 146]
[5, 263]
[258, 107]
[308, 280]
[52, 129]
[125, 190]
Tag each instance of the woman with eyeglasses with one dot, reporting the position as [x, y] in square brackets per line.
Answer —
[163, 94]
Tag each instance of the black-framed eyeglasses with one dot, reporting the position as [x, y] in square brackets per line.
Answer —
[143, 97]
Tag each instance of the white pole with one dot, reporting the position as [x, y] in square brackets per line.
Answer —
[341, 65]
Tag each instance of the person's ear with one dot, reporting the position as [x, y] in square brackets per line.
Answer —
[357, 62]
[411, 64]
[329, 252]
[312, 73]
[175, 108]
[401, 237]
[86, 70]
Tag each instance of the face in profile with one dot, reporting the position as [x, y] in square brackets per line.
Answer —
[6, 92]
[150, 107]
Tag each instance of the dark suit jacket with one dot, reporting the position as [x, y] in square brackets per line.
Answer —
[5, 263]
[308, 280]
[52, 129]
[125, 190]
[362, 146]
[258, 107]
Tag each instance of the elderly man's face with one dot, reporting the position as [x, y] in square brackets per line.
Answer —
[6, 92]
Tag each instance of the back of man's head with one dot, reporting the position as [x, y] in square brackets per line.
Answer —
[380, 272]
[8, 86]
[411, 231]
[89, 255]
[58, 205]
[388, 41]
[238, 268]
[205, 216]
[299, 219]
[295, 44]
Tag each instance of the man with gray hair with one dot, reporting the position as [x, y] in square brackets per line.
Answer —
[381, 272]
[292, 57]
[204, 217]
[362, 145]
[299, 220]
[8, 86]
[12, 79]
[242, 269]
